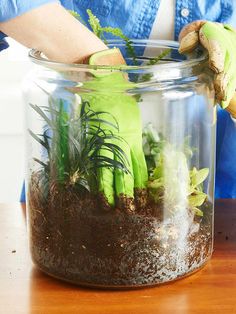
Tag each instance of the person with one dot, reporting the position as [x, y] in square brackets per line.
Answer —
[47, 26]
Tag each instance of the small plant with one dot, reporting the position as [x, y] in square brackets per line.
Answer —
[73, 142]
[170, 180]
[196, 196]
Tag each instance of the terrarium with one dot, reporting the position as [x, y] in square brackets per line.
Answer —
[120, 185]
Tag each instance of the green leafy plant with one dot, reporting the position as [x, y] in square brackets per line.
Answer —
[73, 143]
[161, 56]
[115, 31]
[170, 180]
[196, 196]
[153, 144]
[100, 32]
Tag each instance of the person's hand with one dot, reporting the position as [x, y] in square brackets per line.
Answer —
[220, 41]
[51, 29]
[108, 95]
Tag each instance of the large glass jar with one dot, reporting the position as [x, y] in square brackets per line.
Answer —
[120, 187]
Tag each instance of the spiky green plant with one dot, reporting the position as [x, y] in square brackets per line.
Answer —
[73, 142]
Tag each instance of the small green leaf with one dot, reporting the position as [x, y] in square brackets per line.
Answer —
[198, 212]
[197, 199]
[191, 190]
[155, 184]
[198, 176]
[158, 172]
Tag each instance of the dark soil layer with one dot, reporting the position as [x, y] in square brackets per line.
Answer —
[75, 240]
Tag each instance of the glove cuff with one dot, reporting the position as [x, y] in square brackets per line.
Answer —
[107, 57]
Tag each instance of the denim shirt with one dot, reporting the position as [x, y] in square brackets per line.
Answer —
[136, 18]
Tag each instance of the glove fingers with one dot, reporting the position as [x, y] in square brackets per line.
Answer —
[219, 40]
[189, 37]
[139, 169]
[189, 42]
[106, 178]
[229, 93]
[220, 85]
[231, 108]
[124, 182]
[216, 49]
[224, 83]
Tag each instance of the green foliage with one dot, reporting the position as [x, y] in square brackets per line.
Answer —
[73, 143]
[100, 31]
[157, 59]
[153, 144]
[129, 45]
[170, 180]
[95, 24]
[196, 196]
[77, 16]
[198, 176]
[117, 32]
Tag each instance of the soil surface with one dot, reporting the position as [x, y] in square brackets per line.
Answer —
[74, 239]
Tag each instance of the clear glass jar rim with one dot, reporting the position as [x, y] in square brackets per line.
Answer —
[38, 58]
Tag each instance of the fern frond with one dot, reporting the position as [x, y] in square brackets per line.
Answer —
[129, 45]
[155, 60]
[77, 16]
[94, 23]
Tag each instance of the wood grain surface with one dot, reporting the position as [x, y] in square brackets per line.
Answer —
[24, 289]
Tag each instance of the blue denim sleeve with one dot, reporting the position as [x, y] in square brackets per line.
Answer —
[3, 43]
[12, 8]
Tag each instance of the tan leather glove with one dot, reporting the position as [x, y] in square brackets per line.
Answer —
[220, 42]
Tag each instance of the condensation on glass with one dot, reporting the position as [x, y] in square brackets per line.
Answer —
[120, 185]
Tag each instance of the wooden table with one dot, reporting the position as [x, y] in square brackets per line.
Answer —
[24, 289]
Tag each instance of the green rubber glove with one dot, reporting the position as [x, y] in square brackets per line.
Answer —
[108, 94]
[220, 41]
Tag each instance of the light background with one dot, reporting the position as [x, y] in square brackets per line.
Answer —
[14, 65]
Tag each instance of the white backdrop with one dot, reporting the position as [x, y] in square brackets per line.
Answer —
[14, 65]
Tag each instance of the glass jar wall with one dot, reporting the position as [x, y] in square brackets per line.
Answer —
[120, 187]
